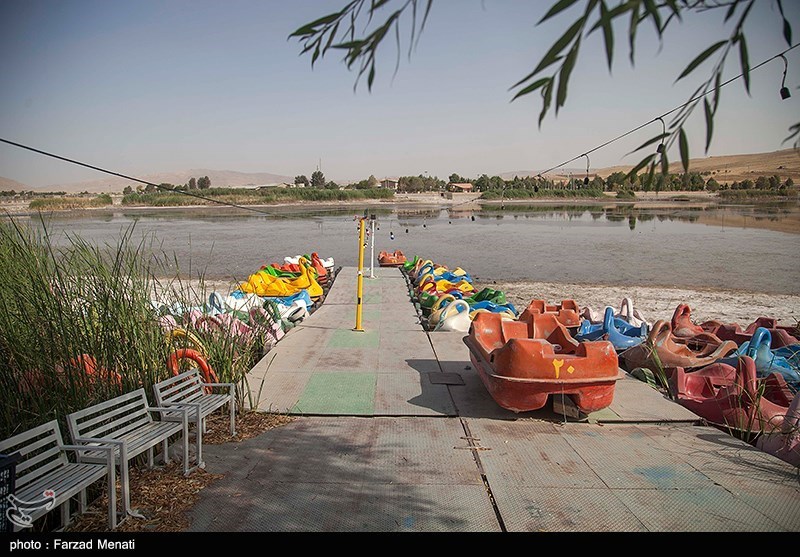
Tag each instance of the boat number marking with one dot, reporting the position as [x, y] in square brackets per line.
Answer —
[557, 364]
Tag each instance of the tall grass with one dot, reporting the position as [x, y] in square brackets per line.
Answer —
[57, 304]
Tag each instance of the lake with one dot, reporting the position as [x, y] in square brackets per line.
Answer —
[723, 247]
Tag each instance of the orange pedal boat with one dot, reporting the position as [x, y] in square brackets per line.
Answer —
[387, 259]
[521, 363]
[566, 312]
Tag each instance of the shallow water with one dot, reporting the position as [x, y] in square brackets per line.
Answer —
[603, 244]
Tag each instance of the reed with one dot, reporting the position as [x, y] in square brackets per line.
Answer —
[77, 325]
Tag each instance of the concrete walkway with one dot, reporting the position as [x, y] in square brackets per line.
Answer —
[397, 433]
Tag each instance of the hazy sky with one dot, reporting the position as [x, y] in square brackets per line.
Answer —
[142, 87]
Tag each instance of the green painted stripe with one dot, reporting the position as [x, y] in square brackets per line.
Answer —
[345, 338]
[338, 393]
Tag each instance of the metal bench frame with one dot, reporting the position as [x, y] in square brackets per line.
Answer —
[126, 423]
[188, 390]
[44, 466]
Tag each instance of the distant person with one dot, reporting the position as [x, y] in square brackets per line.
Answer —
[391, 235]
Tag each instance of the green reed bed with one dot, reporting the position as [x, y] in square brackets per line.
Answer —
[60, 303]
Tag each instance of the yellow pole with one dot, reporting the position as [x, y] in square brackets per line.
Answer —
[360, 292]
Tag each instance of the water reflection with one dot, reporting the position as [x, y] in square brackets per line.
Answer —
[681, 245]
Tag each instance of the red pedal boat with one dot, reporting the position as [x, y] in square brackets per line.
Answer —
[387, 259]
[521, 363]
[566, 312]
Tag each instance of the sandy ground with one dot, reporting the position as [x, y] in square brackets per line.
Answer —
[660, 303]
[654, 303]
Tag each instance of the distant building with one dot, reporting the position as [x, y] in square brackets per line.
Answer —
[390, 184]
[456, 187]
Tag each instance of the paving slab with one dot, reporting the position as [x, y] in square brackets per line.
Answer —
[422, 451]
[674, 477]
[556, 509]
[404, 394]
[398, 348]
[346, 474]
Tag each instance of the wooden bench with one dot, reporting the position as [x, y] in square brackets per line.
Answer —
[188, 390]
[126, 423]
[45, 478]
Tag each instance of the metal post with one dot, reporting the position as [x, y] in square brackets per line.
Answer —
[372, 247]
[360, 290]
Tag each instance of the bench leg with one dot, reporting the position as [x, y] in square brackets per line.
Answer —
[150, 457]
[65, 514]
[165, 451]
[82, 502]
[124, 479]
[112, 496]
[233, 417]
[186, 448]
[199, 445]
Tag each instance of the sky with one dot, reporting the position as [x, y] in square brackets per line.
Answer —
[158, 86]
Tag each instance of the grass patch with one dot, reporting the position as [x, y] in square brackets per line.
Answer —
[244, 196]
[67, 203]
[524, 193]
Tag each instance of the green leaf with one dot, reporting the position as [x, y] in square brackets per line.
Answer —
[563, 76]
[664, 163]
[350, 44]
[709, 123]
[552, 55]
[717, 88]
[642, 163]
[731, 11]
[651, 173]
[557, 8]
[331, 37]
[371, 77]
[650, 141]
[311, 28]
[425, 17]
[787, 29]
[632, 30]
[743, 60]
[684, 146]
[608, 34]
[652, 9]
[702, 57]
[532, 87]
[547, 97]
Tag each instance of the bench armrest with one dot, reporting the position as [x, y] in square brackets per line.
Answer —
[82, 448]
[123, 447]
[183, 411]
[181, 407]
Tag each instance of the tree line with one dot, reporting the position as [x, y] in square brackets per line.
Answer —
[202, 183]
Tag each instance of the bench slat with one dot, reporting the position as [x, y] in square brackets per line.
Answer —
[22, 438]
[24, 479]
[137, 394]
[118, 427]
[41, 457]
[188, 382]
[155, 434]
[129, 409]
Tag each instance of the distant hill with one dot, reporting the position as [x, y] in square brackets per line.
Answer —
[7, 184]
[219, 178]
[727, 168]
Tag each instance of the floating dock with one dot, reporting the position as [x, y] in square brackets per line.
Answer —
[396, 432]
